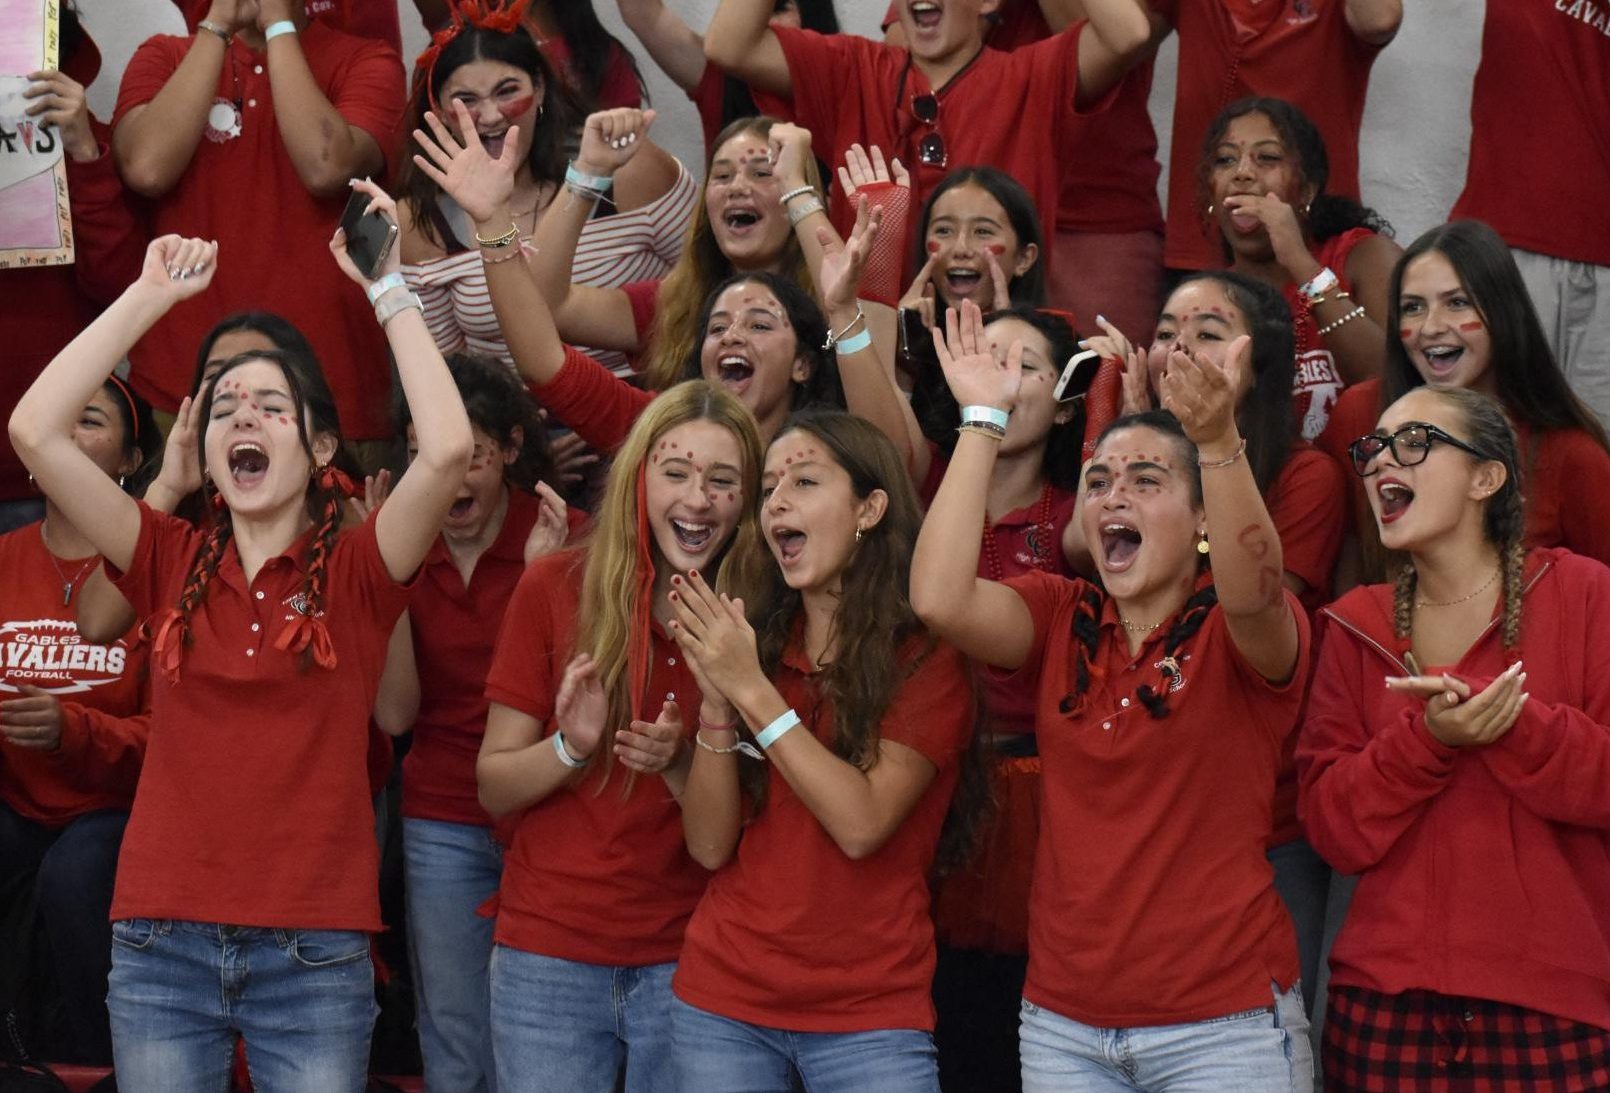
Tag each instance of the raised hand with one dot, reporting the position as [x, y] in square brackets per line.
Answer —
[1000, 283]
[33, 721]
[1457, 719]
[843, 262]
[61, 105]
[580, 708]
[460, 166]
[648, 747]
[1202, 395]
[180, 473]
[380, 201]
[790, 147]
[552, 528]
[1112, 345]
[610, 139]
[178, 268]
[376, 488]
[864, 166]
[974, 375]
[718, 640]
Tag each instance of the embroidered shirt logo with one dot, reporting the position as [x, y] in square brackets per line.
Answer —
[298, 602]
[1170, 666]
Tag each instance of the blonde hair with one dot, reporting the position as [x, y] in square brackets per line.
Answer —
[675, 336]
[618, 573]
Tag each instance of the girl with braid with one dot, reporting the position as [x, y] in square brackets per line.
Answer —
[1164, 692]
[247, 884]
[1471, 793]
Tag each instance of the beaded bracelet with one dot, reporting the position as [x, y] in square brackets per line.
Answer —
[795, 192]
[982, 428]
[489, 258]
[504, 240]
[1349, 317]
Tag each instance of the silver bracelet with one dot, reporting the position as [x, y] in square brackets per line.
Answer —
[797, 213]
[795, 192]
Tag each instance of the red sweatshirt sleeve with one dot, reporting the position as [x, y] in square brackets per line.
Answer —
[1361, 785]
[592, 400]
[103, 751]
[1555, 759]
[108, 240]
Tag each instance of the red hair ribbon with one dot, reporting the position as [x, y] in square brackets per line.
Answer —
[483, 14]
[1066, 316]
[305, 631]
[167, 646]
[331, 477]
[637, 656]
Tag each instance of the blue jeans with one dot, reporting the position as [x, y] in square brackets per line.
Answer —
[302, 1000]
[1259, 1051]
[75, 866]
[568, 1027]
[451, 869]
[716, 1054]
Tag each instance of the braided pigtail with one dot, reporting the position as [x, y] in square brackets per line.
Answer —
[171, 634]
[1086, 635]
[1191, 618]
[1514, 562]
[307, 634]
[1403, 586]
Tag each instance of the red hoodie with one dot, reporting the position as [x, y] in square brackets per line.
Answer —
[1485, 871]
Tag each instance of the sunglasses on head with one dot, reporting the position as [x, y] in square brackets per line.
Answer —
[1410, 445]
[931, 149]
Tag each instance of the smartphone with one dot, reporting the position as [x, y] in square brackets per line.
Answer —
[369, 235]
[1077, 377]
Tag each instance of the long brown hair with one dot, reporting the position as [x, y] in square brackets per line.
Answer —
[676, 333]
[617, 578]
[874, 629]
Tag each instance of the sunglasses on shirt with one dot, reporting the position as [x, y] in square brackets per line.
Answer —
[931, 149]
[1409, 445]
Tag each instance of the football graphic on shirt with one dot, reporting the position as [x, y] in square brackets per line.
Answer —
[50, 655]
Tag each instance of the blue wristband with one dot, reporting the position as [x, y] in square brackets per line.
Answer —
[987, 414]
[596, 183]
[383, 285]
[564, 753]
[274, 30]
[855, 343]
[771, 733]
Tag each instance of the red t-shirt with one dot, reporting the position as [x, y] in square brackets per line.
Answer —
[590, 875]
[254, 808]
[364, 18]
[1299, 50]
[53, 303]
[1153, 902]
[453, 627]
[273, 235]
[1012, 111]
[1318, 382]
[1559, 54]
[1557, 464]
[793, 934]
[101, 689]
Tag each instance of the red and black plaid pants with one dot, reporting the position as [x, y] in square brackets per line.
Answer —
[1435, 1043]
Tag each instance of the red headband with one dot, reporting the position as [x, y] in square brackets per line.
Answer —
[134, 410]
[482, 14]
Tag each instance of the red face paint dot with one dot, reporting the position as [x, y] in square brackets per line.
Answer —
[1406, 333]
[933, 246]
[656, 457]
[997, 249]
[732, 497]
[285, 421]
[690, 455]
[787, 459]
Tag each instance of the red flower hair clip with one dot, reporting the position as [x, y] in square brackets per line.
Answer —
[502, 18]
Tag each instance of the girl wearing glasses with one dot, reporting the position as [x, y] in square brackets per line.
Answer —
[1464, 318]
[1468, 794]
[1162, 697]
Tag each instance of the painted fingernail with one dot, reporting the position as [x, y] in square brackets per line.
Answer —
[1101, 318]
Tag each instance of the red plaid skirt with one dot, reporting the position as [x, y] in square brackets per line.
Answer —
[1437, 1043]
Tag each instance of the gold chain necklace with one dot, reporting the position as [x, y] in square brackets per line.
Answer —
[1138, 627]
[1462, 599]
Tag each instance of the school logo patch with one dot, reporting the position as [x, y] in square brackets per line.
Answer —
[298, 602]
[49, 654]
[1173, 668]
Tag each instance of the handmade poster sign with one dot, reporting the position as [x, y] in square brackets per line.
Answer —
[35, 225]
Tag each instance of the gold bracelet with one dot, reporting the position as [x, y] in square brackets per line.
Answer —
[1209, 465]
[213, 28]
[983, 428]
[503, 240]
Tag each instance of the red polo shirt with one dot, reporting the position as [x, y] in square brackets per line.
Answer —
[101, 689]
[1014, 111]
[273, 235]
[364, 18]
[1153, 902]
[1560, 54]
[254, 808]
[453, 626]
[1299, 50]
[591, 875]
[792, 934]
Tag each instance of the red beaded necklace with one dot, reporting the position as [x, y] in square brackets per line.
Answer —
[1039, 539]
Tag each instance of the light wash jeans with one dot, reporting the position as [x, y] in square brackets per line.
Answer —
[303, 1001]
[1259, 1051]
[568, 1027]
[716, 1054]
[449, 871]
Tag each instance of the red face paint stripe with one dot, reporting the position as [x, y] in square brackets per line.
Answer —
[1472, 326]
[513, 109]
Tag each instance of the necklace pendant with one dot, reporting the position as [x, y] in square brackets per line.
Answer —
[66, 593]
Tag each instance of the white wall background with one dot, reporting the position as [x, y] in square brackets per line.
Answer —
[1416, 127]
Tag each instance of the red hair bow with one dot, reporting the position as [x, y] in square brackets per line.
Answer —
[332, 477]
[502, 18]
[305, 631]
[167, 646]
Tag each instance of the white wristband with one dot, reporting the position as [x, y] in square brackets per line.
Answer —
[988, 414]
[274, 30]
[383, 285]
[564, 753]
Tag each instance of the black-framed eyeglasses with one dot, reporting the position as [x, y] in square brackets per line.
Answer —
[1410, 445]
[931, 150]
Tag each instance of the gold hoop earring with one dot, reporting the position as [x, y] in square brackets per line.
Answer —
[1210, 210]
